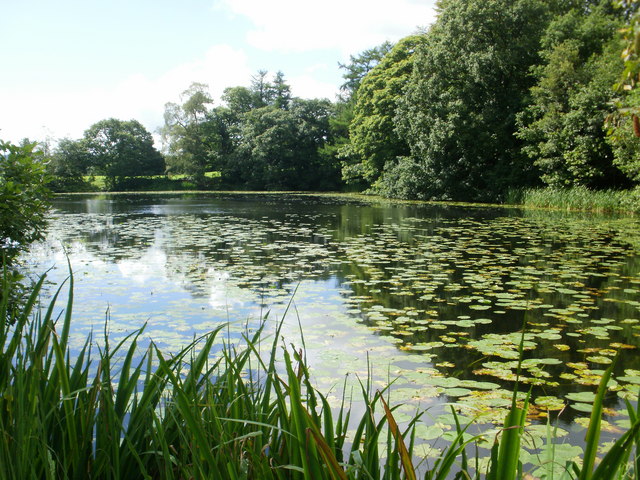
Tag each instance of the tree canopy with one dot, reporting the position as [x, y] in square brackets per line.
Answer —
[495, 95]
[470, 79]
[114, 148]
[373, 141]
[563, 126]
[23, 197]
[260, 137]
[119, 149]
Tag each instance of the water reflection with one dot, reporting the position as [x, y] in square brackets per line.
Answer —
[435, 294]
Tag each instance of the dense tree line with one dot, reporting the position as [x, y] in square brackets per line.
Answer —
[496, 95]
[261, 137]
[500, 94]
[114, 148]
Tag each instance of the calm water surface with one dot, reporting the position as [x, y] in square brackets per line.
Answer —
[433, 296]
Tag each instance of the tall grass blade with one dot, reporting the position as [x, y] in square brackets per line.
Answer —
[442, 466]
[593, 432]
[327, 454]
[405, 457]
[610, 465]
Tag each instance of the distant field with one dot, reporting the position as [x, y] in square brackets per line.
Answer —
[169, 182]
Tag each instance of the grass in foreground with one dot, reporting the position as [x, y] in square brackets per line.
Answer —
[236, 414]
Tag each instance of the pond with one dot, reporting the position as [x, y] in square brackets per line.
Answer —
[430, 297]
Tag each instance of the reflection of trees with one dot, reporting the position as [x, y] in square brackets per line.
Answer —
[270, 242]
[539, 263]
[436, 260]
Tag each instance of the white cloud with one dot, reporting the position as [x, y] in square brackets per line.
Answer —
[58, 113]
[306, 86]
[347, 25]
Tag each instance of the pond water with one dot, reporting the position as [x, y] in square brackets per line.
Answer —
[434, 296]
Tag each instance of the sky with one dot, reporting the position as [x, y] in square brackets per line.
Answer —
[67, 64]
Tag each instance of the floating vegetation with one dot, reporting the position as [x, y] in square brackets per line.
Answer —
[433, 296]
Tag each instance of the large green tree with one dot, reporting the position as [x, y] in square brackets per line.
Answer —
[118, 149]
[359, 66]
[23, 197]
[68, 164]
[563, 127]
[341, 117]
[280, 148]
[624, 125]
[24, 203]
[190, 140]
[469, 80]
[373, 141]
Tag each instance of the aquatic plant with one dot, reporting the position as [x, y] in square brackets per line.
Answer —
[578, 198]
[238, 412]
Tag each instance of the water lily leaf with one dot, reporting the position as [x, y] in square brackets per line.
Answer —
[582, 407]
[550, 402]
[582, 397]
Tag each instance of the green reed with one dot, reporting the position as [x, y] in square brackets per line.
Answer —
[120, 411]
[579, 199]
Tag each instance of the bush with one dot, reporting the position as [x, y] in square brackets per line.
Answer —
[23, 207]
[23, 197]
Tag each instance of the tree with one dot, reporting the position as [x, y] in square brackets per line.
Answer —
[239, 100]
[623, 135]
[563, 127]
[24, 197]
[373, 141]
[119, 149]
[469, 80]
[189, 139]
[342, 111]
[631, 35]
[279, 149]
[359, 65]
[260, 88]
[69, 162]
[280, 92]
[24, 203]
[623, 126]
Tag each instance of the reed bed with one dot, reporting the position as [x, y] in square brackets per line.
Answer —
[124, 412]
[579, 199]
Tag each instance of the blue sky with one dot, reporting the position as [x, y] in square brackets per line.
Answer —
[70, 63]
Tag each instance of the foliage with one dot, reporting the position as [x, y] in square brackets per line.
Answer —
[338, 137]
[114, 148]
[623, 135]
[496, 96]
[579, 198]
[373, 142]
[337, 148]
[23, 208]
[23, 197]
[563, 127]
[190, 139]
[119, 149]
[265, 93]
[278, 149]
[469, 80]
[623, 132]
[234, 413]
[260, 138]
[631, 52]
[359, 66]
[68, 164]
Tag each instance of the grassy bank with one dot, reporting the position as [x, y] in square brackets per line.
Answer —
[579, 198]
[116, 412]
[148, 183]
